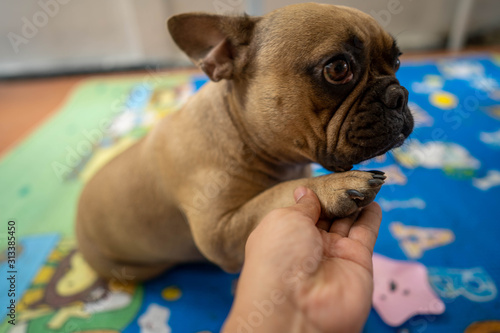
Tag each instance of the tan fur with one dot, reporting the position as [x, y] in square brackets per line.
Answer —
[197, 185]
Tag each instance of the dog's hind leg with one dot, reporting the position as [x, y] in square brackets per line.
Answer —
[120, 271]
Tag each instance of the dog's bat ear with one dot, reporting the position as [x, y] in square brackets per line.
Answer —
[217, 44]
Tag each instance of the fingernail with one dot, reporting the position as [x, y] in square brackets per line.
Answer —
[299, 193]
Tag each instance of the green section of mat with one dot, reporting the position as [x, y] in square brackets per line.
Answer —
[40, 179]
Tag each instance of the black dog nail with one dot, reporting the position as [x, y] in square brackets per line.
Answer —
[377, 176]
[375, 182]
[355, 194]
[377, 172]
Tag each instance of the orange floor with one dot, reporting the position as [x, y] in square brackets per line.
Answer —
[26, 103]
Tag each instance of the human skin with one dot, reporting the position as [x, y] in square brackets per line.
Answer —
[303, 274]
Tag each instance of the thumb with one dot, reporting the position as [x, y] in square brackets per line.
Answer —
[307, 202]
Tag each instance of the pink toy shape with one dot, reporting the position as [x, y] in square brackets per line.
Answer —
[402, 290]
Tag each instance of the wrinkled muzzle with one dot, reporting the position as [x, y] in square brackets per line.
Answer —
[381, 121]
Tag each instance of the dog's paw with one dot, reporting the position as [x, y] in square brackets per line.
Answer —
[342, 194]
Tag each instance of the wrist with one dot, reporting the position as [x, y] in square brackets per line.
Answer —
[266, 316]
[243, 321]
[262, 306]
[259, 305]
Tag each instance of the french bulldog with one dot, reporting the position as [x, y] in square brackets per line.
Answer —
[304, 83]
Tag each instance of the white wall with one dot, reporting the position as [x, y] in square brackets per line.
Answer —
[107, 33]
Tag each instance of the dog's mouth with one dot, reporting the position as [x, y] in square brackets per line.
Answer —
[374, 128]
[358, 147]
[378, 132]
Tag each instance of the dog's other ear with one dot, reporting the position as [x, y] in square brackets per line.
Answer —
[217, 44]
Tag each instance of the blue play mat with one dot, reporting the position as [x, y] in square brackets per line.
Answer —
[439, 237]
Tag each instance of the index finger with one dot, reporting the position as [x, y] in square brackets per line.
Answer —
[365, 228]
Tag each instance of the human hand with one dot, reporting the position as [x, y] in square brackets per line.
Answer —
[304, 274]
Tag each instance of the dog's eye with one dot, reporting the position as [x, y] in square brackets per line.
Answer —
[397, 64]
[338, 72]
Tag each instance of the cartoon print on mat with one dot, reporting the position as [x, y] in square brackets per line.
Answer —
[486, 84]
[66, 290]
[432, 85]
[488, 326]
[467, 70]
[204, 293]
[492, 139]
[142, 109]
[474, 283]
[155, 319]
[493, 111]
[171, 293]
[31, 253]
[448, 156]
[376, 159]
[474, 73]
[495, 95]
[491, 179]
[187, 298]
[402, 290]
[443, 100]
[395, 175]
[421, 117]
[414, 241]
[429, 84]
[388, 205]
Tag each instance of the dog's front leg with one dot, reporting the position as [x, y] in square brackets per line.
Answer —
[220, 232]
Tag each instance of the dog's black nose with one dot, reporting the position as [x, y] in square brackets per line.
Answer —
[394, 97]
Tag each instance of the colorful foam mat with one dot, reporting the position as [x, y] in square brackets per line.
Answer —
[436, 267]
